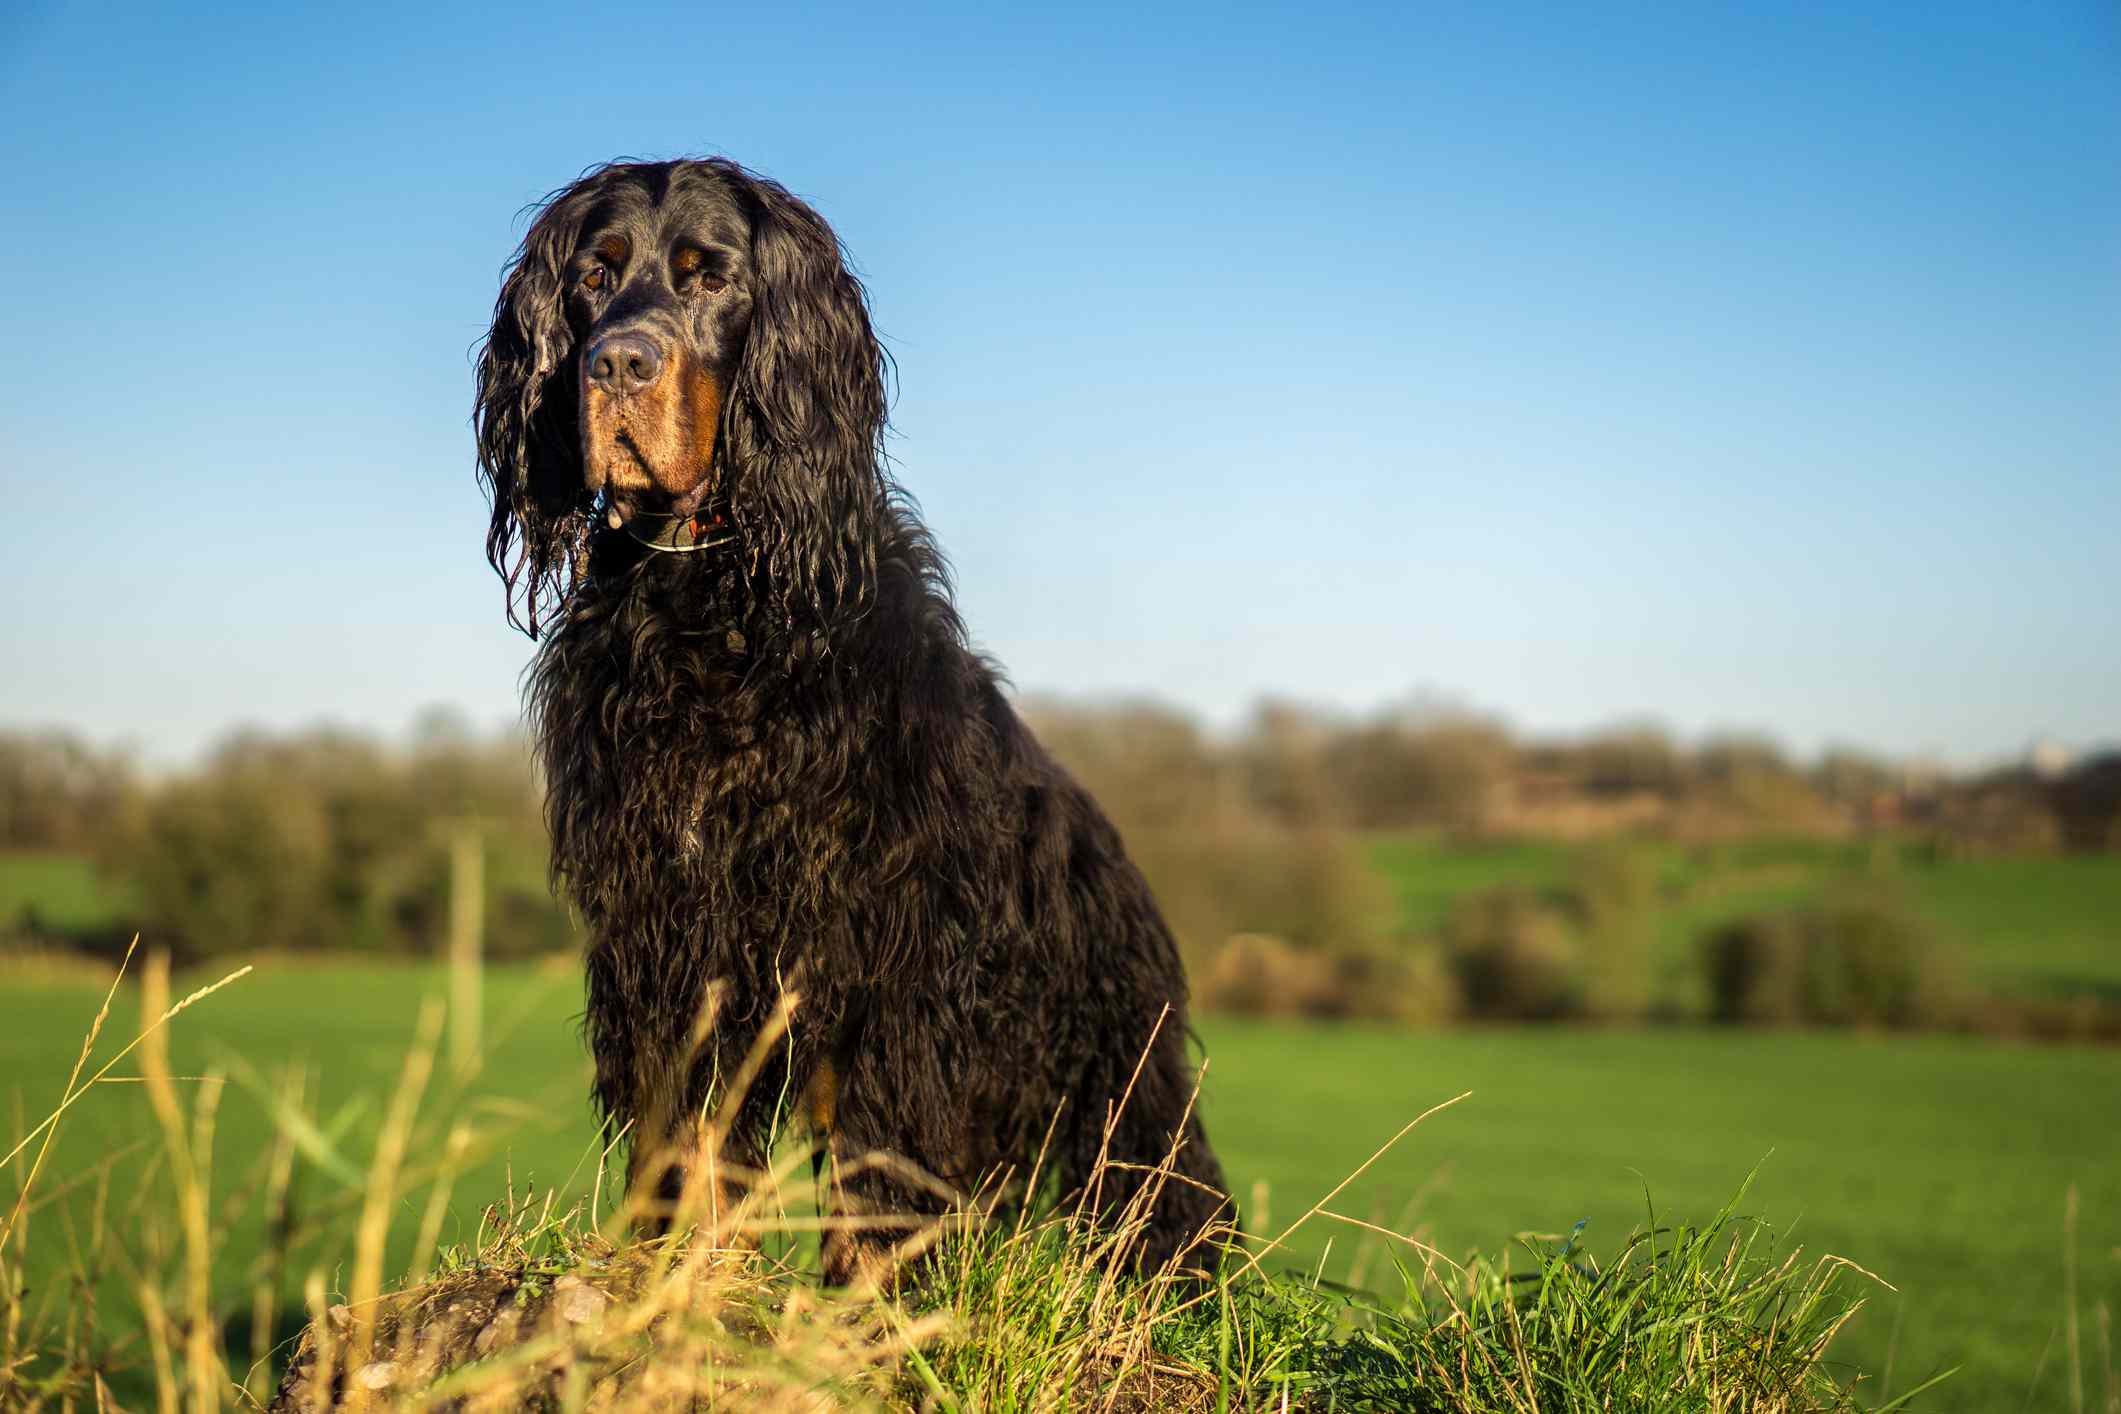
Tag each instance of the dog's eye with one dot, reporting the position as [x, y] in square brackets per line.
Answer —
[593, 278]
[688, 271]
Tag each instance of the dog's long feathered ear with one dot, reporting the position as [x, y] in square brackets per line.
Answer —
[804, 423]
[529, 442]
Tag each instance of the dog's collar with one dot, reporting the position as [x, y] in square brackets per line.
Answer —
[678, 535]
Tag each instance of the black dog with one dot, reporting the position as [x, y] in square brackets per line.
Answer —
[773, 764]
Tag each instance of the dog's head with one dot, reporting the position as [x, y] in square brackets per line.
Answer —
[682, 338]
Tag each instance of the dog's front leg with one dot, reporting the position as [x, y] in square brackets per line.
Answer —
[681, 1173]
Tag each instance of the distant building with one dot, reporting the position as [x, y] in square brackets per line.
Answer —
[2050, 760]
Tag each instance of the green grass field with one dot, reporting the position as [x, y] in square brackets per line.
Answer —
[2037, 926]
[61, 891]
[1940, 1163]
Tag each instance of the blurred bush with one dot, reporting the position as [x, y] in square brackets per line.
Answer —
[1613, 898]
[2086, 803]
[59, 793]
[1257, 974]
[1855, 781]
[1221, 865]
[1861, 958]
[1631, 759]
[1248, 846]
[1577, 949]
[232, 862]
[1515, 956]
[1420, 768]
[328, 840]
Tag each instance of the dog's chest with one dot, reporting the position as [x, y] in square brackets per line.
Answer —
[684, 770]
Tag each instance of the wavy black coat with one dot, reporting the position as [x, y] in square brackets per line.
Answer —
[779, 766]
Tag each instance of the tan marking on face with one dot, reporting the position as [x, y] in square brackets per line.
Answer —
[660, 439]
[703, 398]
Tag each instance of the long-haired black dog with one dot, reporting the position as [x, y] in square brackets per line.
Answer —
[773, 764]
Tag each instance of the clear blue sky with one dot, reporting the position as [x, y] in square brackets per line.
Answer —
[1740, 366]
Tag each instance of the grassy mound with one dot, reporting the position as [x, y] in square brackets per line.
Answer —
[997, 1308]
[546, 1313]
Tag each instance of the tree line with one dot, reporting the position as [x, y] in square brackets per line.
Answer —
[328, 839]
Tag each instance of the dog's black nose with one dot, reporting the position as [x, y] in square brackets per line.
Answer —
[624, 363]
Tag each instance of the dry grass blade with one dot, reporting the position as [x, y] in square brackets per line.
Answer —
[188, 1173]
[50, 1127]
[373, 1230]
[74, 1094]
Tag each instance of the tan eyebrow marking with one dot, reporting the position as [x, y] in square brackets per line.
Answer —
[688, 260]
[614, 249]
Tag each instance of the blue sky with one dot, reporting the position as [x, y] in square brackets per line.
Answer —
[1742, 367]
